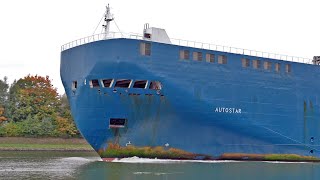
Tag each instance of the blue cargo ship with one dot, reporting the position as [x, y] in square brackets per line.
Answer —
[155, 97]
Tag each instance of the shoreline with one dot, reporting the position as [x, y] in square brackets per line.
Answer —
[44, 144]
[44, 149]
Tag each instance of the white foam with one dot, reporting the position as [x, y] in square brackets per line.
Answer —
[156, 173]
[79, 159]
[148, 160]
[284, 162]
[139, 173]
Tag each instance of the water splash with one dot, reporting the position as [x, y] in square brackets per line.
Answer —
[148, 160]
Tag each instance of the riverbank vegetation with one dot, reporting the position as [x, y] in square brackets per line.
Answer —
[43, 144]
[31, 107]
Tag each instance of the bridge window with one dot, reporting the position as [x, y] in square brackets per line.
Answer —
[222, 59]
[256, 64]
[245, 62]
[210, 57]
[184, 54]
[140, 84]
[267, 65]
[74, 85]
[145, 49]
[156, 85]
[197, 56]
[107, 82]
[123, 83]
[277, 67]
[288, 68]
[94, 83]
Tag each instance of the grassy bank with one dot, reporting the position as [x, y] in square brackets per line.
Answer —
[43, 144]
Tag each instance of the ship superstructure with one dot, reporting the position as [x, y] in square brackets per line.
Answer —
[151, 96]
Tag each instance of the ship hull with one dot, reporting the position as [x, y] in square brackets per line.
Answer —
[203, 110]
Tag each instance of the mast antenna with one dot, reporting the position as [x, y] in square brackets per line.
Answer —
[107, 18]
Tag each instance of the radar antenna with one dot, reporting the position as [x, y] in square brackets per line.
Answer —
[107, 18]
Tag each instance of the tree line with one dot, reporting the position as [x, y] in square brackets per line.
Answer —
[32, 107]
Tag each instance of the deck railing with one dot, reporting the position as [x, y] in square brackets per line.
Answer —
[180, 42]
[99, 37]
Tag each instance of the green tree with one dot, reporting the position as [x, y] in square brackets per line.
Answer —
[3, 98]
[3, 90]
[65, 123]
[33, 127]
[11, 129]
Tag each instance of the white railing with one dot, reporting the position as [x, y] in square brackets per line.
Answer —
[99, 37]
[180, 42]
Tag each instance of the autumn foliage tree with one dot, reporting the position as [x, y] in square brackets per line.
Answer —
[2, 117]
[34, 108]
[64, 121]
[33, 96]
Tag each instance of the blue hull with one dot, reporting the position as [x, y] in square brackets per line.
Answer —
[203, 108]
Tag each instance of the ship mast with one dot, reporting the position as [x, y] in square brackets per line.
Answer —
[107, 18]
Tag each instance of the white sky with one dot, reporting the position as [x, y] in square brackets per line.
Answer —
[32, 31]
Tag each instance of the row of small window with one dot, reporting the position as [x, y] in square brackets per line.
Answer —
[121, 83]
[145, 49]
[197, 56]
[256, 64]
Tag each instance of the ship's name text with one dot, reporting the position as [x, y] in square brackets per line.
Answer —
[227, 110]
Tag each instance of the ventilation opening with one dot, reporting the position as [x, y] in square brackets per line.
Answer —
[123, 83]
[94, 83]
[245, 62]
[210, 58]
[267, 65]
[107, 83]
[222, 59]
[288, 68]
[277, 67]
[184, 54]
[155, 85]
[74, 85]
[140, 84]
[145, 49]
[256, 64]
[117, 122]
[197, 56]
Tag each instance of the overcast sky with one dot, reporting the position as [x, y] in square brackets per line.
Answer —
[32, 31]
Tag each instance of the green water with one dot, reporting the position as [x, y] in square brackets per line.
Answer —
[70, 165]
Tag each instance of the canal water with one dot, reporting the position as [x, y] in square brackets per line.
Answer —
[71, 165]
